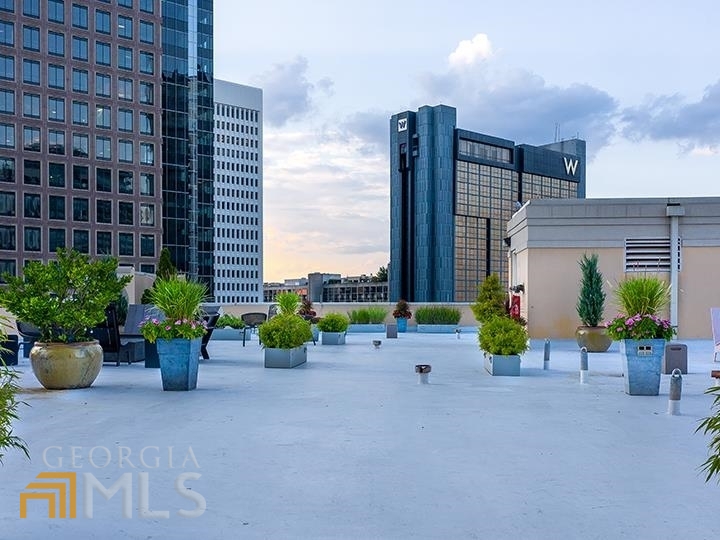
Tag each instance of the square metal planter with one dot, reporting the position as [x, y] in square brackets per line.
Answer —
[498, 364]
[285, 358]
[333, 338]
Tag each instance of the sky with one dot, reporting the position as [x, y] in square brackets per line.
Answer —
[639, 81]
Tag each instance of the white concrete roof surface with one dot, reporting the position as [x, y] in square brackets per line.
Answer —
[349, 446]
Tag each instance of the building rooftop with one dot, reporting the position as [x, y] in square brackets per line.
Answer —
[351, 446]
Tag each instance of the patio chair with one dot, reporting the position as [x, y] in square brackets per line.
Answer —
[29, 333]
[114, 348]
[715, 321]
[210, 321]
[252, 321]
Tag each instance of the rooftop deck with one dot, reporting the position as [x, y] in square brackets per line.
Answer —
[350, 446]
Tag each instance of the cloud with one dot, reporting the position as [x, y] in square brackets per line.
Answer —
[696, 125]
[469, 51]
[288, 94]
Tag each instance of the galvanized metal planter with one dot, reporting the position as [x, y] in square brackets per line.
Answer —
[179, 359]
[642, 365]
[285, 358]
[333, 338]
[501, 364]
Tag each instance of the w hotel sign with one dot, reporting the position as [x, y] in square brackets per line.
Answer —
[571, 165]
[58, 488]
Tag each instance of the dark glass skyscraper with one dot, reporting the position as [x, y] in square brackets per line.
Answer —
[187, 103]
[452, 193]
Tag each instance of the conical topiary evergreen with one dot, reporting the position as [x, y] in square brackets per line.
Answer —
[490, 300]
[591, 301]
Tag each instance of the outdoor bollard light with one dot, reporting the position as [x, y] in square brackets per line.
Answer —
[675, 392]
[583, 365]
[546, 354]
[377, 343]
[423, 370]
[457, 333]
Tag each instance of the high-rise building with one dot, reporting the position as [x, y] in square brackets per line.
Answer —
[80, 135]
[452, 192]
[187, 129]
[238, 193]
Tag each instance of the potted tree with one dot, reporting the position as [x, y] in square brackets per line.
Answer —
[590, 307]
[502, 340]
[402, 313]
[490, 301]
[333, 327]
[178, 333]
[642, 332]
[283, 337]
[64, 298]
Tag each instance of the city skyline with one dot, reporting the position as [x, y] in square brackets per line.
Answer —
[639, 85]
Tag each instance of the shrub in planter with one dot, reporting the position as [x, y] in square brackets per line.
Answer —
[288, 303]
[284, 331]
[368, 315]
[437, 315]
[490, 301]
[359, 316]
[333, 322]
[402, 310]
[503, 336]
[229, 321]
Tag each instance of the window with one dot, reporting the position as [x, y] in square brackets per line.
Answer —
[147, 214]
[125, 89]
[147, 6]
[126, 213]
[125, 182]
[80, 81]
[56, 207]
[103, 179]
[147, 32]
[102, 85]
[56, 76]
[56, 239]
[81, 209]
[56, 109]
[103, 211]
[125, 27]
[125, 244]
[7, 169]
[7, 204]
[103, 243]
[56, 175]
[31, 205]
[80, 177]
[56, 11]
[147, 63]
[147, 245]
[80, 113]
[7, 136]
[147, 153]
[147, 93]
[31, 38]
[31, 8]
[31, 139]
[7, 101]
[125, 151]
[7, 5]
[56, 142]
[81, 241]
[147, 184]
[125, 120]
[102, 53]
[32, 172]
[7, 33]
[32, 238]
[81, 145]
[31, 72]
[7, 67]
[102, 148]
[79, 16]
[125, 58]
[125, 3]
[80, 48]
[56, 43]
[102, 116]
[7, 237]
[102, 22]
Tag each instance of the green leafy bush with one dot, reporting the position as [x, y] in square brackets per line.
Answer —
[284, 331]
[333, 322]
[503, 335]
[490, 301]
[437, 315]
[8, 412]
[226, 320]
[368, 315]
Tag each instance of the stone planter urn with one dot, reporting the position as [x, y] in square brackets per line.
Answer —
[63, 366]
[593, 338]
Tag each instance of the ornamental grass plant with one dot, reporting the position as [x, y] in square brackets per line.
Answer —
[180, 302]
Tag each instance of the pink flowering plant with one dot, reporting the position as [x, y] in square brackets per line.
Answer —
[179, 300]
[153, 329]
[639, 327]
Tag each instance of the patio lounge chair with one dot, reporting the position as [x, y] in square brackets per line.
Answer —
[115, 348]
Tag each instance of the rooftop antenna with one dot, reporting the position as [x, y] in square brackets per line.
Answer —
[557, 131]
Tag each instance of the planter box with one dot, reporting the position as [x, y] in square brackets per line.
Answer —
[226, 334]
[437, 328]
[366, 328]
[333, 338]
[498, 364]
[642, 364]
[285, 358]
[179, 359]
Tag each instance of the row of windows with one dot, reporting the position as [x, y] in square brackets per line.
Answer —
[57, 209]
[240, 128]
[235, 193]
[56, 9]
[236, 180]
[236, 154]
[56, 177]
[237, 274]
[238, 167]
[223, 259]
[243, 234]
[484, 151]
[236, 141]
[228, 299]
[234, 219]
[238, 113]
[237, 248]
[57, 238]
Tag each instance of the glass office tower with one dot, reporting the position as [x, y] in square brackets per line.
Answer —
[452, 192]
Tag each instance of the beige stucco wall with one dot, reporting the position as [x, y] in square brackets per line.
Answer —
[699, 291]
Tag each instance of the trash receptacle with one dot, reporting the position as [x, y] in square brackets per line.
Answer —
[391, 330]
[675, 357]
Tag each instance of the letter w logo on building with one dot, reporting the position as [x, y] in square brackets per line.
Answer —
[59, 495]
[570, 165]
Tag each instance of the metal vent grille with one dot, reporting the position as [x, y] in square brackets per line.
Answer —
[650, 254]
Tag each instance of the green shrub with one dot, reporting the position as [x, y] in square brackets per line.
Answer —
[437, 315]
[503, 335]
[376, 314]
[230, 321]
[8, 412]
[284, 331]
[591, 300]
[490, 301]
[288, 302]
[642, 295]
[333, 322]
[359, 316]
